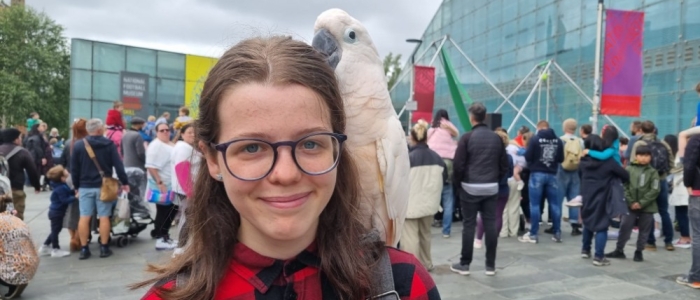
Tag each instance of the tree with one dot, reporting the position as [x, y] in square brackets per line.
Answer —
[34, 68]
[392, 68]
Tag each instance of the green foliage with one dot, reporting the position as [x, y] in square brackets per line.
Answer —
[392, 68]
[34, 68]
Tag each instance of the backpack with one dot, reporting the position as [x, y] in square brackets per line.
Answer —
[659, 157]
[572, 154]
[5, 187]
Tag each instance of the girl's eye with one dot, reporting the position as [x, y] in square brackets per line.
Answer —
[252, 148]
[310, 145]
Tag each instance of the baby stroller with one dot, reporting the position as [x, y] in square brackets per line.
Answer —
[139, 214]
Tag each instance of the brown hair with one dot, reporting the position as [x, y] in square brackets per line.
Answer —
[344, 259]
[55, 174]
[542, 124]
[587, 129]
[648, 126]
[570, 125]
[697, 87]
[637, 125]
[117, 104]
[526, 137]
[79, 131]
[185, 110]
[503, 136]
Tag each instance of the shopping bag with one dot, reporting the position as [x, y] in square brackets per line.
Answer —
[123, 209]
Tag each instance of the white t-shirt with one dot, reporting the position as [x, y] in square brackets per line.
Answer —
[185, 160]
[158, 157]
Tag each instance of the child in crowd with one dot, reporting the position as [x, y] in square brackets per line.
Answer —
[183, 118]
[61, 197]
[115, 125]
[623, 147]
[640, 192]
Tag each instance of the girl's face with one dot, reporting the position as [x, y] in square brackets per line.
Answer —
[188, 136]
[285, 205]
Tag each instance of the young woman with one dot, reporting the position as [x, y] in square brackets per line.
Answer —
[159, 186]
[278, 195]
[184, 164]
[441, 137]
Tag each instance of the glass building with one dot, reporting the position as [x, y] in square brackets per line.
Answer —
[166, 80]
[506, 39]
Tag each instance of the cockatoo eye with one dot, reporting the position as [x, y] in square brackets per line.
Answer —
[350, 36]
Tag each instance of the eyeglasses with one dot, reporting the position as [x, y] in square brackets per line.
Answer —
[164, 130]
[253, 159]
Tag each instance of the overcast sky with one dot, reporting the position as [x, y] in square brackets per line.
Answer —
[208, 27]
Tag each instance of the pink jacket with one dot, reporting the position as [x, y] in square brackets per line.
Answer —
[441, 141]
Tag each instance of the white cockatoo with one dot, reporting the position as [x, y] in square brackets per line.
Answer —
[375, 136]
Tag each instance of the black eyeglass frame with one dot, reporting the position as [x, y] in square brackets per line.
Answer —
[222, 147]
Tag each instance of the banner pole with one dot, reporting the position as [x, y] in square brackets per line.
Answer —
[596, 79]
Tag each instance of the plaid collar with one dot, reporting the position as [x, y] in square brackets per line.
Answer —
[261, 271]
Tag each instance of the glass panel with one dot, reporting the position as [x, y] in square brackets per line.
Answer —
[171, 65]
[588, 43]
[80, 84]
[510, 11]
[691, 76]
[108, 57]
[100, 108]
[105, 86]
[569, 16]
[691, 28]
[80, 54]
[80, 109]
[141, 61]
[661, 24]
[510, 31]
[626, 4]
[526, 35]
[171, 92]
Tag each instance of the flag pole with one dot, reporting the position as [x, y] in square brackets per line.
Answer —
[597, 71]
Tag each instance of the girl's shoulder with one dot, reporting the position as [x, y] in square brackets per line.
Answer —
[410, 277]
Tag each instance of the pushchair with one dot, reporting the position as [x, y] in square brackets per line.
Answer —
[139, 217]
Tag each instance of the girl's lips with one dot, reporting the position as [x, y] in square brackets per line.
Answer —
[286, 202]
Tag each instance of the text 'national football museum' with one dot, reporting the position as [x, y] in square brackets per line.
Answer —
[505, 53]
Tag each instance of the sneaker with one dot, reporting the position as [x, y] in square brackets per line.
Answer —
[84, 253]
[165, 244]
[478, 244]
[490, 271]
[616, 254]
[446, 236]
[613, 235]
[105, 251]
[638, 257]
[556, 238]
[44, 250]
[678, 244]
[460, 269]
[585, 254]
[683, 280]
[576, 202]
[527, 238]
[650, 247]
[437, 223]
[601, 261]
[549, 230]
[59, 253]
[576, 232]
[669, 247]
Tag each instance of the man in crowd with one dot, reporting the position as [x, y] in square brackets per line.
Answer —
[134, 150]
[87, 179]
[662, 159]
[480, 162]
[545, 153]
[19, 160]
[568, 179]
[636, 130]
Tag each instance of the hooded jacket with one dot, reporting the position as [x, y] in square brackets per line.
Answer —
[644, 140]
[428, 176]
[61, 196]
[597, 182]
[18, 163]
[545, 152]
[643, 187]
[83, 169]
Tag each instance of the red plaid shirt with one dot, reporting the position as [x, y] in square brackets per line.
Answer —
[253, 276]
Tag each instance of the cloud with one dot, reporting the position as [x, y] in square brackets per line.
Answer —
[208, 27]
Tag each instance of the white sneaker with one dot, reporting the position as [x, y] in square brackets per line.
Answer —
[526, 238]
[44, 250]
[576, 202]
[478, 244]
[165, 244]
[59, 253]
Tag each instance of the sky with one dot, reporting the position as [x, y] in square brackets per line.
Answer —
[209, 27]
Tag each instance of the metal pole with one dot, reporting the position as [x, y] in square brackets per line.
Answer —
[413, 79]
[516, 90]
[539, 100]
[437, 52]
[406, 65]
[529, 97]
[548, 87]
[596, 79]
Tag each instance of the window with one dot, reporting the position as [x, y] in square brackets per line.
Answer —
[81, 54]
[691, 28]
[141, 61]
[105, 86]
[171, 92]
[80, 84]
[108, 57]
[171, 65]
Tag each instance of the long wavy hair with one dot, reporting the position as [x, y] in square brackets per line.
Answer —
[346, 260]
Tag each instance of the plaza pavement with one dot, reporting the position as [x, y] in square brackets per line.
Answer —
[525, 271]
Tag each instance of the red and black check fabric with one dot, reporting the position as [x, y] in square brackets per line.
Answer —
[253, 276]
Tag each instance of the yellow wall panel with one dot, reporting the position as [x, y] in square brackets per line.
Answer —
[196, 71]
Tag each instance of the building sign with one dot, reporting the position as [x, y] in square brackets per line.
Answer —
[134, 93]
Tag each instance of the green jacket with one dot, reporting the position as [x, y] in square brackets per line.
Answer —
[643, 187]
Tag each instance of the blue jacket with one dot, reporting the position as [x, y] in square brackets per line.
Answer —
[83, 169]
[61, 196]
[545, 152]
[612, 152]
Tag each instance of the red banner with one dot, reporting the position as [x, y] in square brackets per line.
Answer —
[623, 72]
[424, 93]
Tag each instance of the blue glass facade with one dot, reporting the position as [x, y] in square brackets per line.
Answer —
[506, 39]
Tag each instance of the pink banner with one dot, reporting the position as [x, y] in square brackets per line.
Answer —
[424, 93]
[623, 71]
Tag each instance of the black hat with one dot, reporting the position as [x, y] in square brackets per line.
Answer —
[9, 135]
[137, 121]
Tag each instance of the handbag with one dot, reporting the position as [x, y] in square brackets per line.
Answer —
[110, 186]
[160, 198]
[123, 209]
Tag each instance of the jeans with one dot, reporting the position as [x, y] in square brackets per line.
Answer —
[500, 207]
[683, 222]
[601, 237]
[448, 205]
[164, 219]
[569, 187]
[471, 206]
[525, 194]
[694, 216]
[544, 185]
[56, 226]
[666, 224]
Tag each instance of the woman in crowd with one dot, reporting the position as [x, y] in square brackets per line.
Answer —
[184, 163]
[678, 195]
[441, 137]
[427, 178]
[279, 197]
[70, 221]
[525, 178]
[159, 186]
[40, 149]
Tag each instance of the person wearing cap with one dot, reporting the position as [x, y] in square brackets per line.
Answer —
[133, 145]
[18, 161]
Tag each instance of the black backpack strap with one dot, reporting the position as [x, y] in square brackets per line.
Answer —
[384, 277]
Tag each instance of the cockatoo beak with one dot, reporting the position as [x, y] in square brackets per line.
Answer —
[325, 43]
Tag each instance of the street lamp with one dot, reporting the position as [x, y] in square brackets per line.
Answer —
[413, 77]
